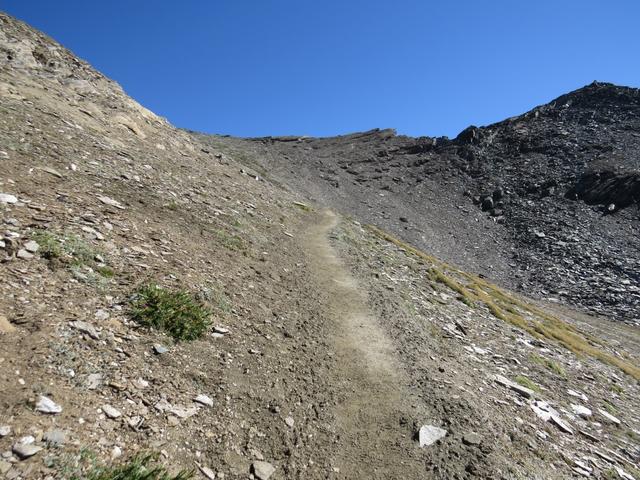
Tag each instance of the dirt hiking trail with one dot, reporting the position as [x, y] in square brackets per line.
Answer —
[373, 442]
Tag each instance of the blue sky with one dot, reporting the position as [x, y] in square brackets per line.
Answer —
[275, 67]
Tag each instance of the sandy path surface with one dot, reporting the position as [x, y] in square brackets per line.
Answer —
[373, 443]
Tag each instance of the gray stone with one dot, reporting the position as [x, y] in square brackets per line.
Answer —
[505, 382]
[25, 450]
[24, 255]
[46, 405]
[207, 472]
[8, 198]
[204, 400]
[55, 437]
[290, 422]
[31, 246]
[5, 430]
[87, 328]
[94, 380]
[160, 349]
[110, 201]
[429, 434]
[472, 438]
[111, 412]
[581, 411]
[610, 418]
[561, 424]
[263, 470]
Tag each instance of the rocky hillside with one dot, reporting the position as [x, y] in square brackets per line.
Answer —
[546, 202]
[174, 306]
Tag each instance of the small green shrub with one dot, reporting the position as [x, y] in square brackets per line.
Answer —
[527, 383]
[138, 468]
[50, 245]
[71, 248]
[178, 313]
[232, 242]
[548, 363]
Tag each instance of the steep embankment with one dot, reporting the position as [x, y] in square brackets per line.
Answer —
[330, 345]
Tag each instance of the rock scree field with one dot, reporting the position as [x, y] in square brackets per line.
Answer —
[177, 305]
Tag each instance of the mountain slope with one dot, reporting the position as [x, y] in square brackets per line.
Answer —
[332, 344]
[546, 202]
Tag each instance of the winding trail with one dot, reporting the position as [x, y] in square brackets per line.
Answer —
[373, 443]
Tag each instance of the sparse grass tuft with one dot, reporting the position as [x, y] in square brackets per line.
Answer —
[609, 408]
[552, 365]
[50, 244]
[176, 312]
[232, 242]
[172, 205]
[138, 468]
[527, 383]
[616, 388]
[68, 248]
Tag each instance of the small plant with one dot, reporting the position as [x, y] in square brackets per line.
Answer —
[172, 205]
[70, 248]
[616, 388]
[138, 468]
[548, 363]
[610, 408]
[178, 313]
[527, 383]
[50, 245]
[232, 242]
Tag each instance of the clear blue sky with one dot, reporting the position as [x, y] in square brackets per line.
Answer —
[325, 67]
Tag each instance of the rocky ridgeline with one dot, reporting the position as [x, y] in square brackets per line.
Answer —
[546, 202]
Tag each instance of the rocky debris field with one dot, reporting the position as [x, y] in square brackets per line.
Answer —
[506, 403]
[545, 202]
[165, 297]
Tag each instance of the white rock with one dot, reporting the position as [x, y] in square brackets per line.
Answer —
[110, 201]
[622, 474]
[204, 400]
[116, 452]
[24, 451]
[505, 382]
[141, 383]
[182, 412]
[24, 255]
[207, 472]
[561, 424]
[31, 246]
[581, 411]
[263, 470]
[429, 434]
[608, 416]
[26, 440]
[94, 380]
[46, 405]
[111, 412]
[8, 198]
[5, 430]
[101, 315]
[87, 328]
[290, 422]
[579, 395]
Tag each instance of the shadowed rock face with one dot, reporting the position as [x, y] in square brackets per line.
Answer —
[526, 201]
[616, 190]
